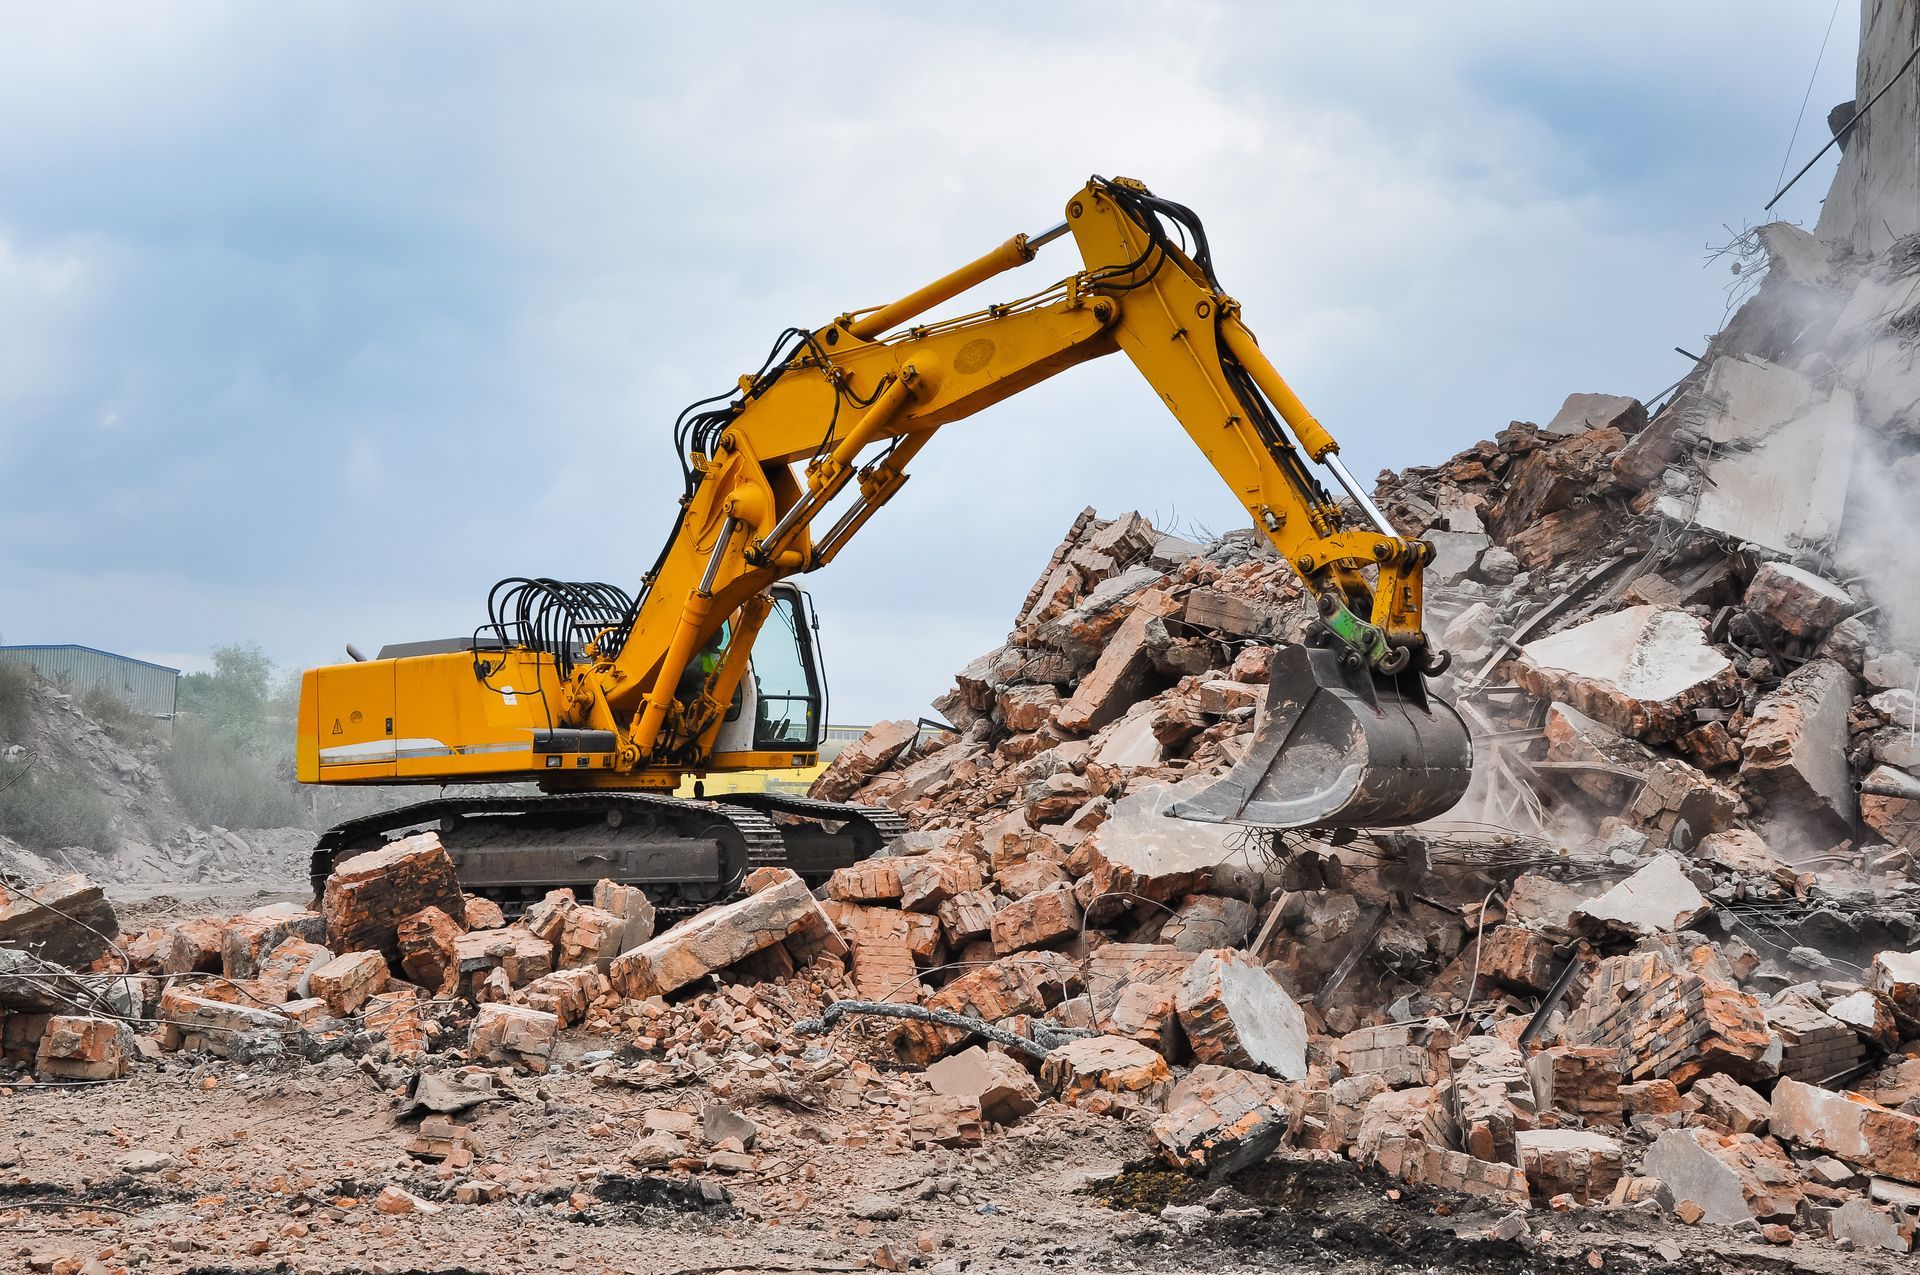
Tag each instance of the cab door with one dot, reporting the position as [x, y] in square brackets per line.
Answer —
[789, 690]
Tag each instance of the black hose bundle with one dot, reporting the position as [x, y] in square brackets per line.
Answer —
[557, 617]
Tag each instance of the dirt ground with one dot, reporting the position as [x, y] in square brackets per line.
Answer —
[210, 1167]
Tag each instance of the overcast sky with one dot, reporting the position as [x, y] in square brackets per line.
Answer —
[315, 320]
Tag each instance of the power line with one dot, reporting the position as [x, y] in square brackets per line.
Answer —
[1808, 95]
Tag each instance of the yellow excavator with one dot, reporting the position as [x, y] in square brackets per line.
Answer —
[607, 701]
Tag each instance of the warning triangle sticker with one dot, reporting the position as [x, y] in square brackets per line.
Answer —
[336, 727]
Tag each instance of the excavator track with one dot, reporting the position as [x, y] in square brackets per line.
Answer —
[813, 849]
[685, 853]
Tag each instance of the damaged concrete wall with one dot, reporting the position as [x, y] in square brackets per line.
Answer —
[1875, 199]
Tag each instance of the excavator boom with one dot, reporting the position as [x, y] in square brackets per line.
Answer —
[1351, 739]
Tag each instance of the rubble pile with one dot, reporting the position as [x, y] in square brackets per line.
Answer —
[1686, 874]
[1665, 957]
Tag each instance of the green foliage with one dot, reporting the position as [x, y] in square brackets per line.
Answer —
[217, 779]
[16, 691]
[232, 756]
[238, 700]
[119, 718]
[52, 812]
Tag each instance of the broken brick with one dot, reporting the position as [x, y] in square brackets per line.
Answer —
[368, 895]
[513, 1035]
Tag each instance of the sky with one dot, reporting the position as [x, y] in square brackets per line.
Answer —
[316, 320]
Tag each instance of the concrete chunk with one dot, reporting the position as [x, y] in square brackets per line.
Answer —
[67, 921]
[1795, 752]
[1640, 670]
[1655, 900]
[1236, 1014]
[1859, 1131]
[1780, 478]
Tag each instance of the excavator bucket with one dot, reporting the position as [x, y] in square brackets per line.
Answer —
[1340, 748]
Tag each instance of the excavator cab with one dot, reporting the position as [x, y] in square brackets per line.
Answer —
[789, 691]
[1339, 745]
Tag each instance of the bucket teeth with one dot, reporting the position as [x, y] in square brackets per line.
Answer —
[1340, 748]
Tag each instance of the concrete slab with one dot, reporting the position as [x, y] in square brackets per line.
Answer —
[1640, 670]
[1657, 899]
[1778, 476]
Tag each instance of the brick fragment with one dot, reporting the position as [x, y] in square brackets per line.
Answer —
[1650, 1098]
[927, 881]
[1112, 1064]
[1814, 1046]
[866, 757]
[1134, 988]
[67, 921]
[1516, 958]
[513, 1035]
[1730, 1104]
[1218, 1117]
[427, 951]
[1574, 1162]
[1847, 1125]
[716, 939]
[200, 1023]
[84, 1047]
[869, 881]
[1491, 1097]
[482, 914]
[1582, 1081]
[246, 940]
[939, 1121]
[1401, 1054]
[591, 936]
[368, 895]
[442, 1141]
[1431, 1164]
[1038, 920]
[348, 982]
[1236, 1014]
[1669, 1022]
[1797, 603]
[283, 975]
[631, 904]
[997, 1084]
[1030, 876]
[968, 915]
[547, 916]
[566, 994]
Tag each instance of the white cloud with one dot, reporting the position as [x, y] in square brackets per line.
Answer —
[328, 263]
